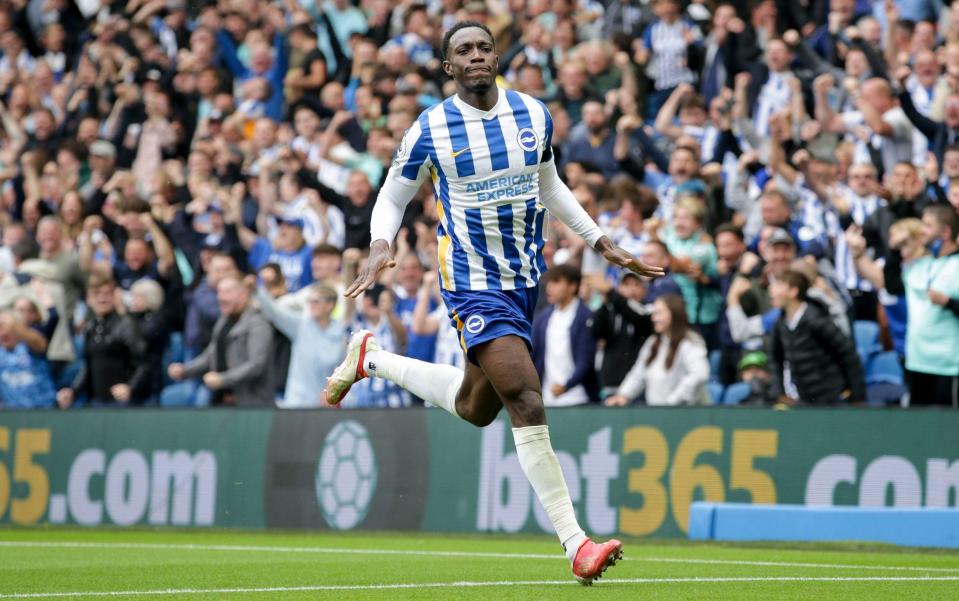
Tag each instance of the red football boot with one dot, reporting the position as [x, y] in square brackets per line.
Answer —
[592, 559]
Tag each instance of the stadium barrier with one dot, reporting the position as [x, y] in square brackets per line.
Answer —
[912, 526]
[631, 471]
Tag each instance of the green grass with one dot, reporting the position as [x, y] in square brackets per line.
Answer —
[222, 565]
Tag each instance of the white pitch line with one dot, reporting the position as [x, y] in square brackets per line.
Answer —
[470, 554]
[467, 584]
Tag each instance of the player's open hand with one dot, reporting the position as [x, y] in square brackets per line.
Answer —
[379, 260]
[619, 257]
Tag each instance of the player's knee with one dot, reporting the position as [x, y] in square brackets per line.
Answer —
[526, 407]
[477, 416]
[482, 420]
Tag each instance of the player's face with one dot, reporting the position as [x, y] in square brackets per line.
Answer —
[472, 59]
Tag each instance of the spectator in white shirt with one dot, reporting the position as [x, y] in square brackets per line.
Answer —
[672, 368]
[564, 350]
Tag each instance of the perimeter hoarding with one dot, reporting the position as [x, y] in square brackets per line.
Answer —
[630, 471]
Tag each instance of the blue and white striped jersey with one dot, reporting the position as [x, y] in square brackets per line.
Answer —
[485, 168]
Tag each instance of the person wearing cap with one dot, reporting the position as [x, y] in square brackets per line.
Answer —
[102, 160]
[778, 213]
[287, 248]
[748, 307]
[622, 324]
[754, 370]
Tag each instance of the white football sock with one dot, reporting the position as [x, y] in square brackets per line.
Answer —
[437, 384]
[539, 463]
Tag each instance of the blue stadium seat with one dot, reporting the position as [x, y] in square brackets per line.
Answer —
[884, 368]
[736, 393]
[714, 358]
[866, 337]
[715, 392]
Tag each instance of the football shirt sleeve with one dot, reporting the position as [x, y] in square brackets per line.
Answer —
[557, 197]
[406, 174]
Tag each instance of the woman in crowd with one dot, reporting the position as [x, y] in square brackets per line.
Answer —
[672, 368]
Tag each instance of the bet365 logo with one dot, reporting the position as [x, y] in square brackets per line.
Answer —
[346, 475]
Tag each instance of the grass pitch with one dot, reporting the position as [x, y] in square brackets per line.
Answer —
[140, 564]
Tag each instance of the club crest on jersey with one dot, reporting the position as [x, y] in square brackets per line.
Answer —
[526, 138]
[475, 324]
[400, 151]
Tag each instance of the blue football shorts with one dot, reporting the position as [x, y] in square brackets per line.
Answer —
[483, 315]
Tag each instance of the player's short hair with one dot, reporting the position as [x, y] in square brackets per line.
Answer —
[463, 25]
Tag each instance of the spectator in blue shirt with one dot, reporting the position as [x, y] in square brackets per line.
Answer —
[594, 144]
[25, 380]
[287, 249]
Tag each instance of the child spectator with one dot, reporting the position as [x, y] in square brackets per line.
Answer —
[812, 361]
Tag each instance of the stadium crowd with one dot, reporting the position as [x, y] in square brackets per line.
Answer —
[186, 191]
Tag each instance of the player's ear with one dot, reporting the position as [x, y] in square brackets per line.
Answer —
[447, 68]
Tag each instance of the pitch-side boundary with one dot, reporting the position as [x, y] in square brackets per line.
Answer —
[468, 584]
[470, 554]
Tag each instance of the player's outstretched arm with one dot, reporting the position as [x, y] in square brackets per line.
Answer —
[380, 258]
[385, 221]
[558, 198]
[619, 257]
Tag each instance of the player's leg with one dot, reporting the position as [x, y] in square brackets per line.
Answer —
[467, 395]
[509, 368]
[477, 401]
[435, 383]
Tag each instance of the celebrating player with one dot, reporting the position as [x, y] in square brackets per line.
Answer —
[488, 152]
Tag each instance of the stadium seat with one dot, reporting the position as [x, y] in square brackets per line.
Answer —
[736, 393]
[715, 392]
[884, 368]
[714, 359]
[885, 384]
[866, 337]
[884, 395]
